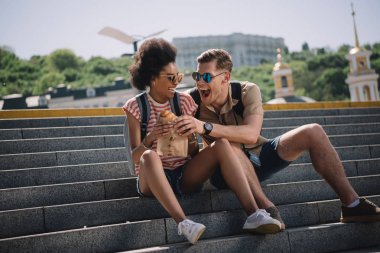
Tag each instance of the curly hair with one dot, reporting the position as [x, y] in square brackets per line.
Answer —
[152, 56]
[222, 57]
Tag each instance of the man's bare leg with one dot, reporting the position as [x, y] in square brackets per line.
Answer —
[253, 181]
[326, 162]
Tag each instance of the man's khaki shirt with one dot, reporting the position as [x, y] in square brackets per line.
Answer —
[251, 99]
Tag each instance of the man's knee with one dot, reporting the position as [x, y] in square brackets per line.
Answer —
[315, 132]
[222, 143]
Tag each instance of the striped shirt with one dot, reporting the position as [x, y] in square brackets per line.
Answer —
[188, 107]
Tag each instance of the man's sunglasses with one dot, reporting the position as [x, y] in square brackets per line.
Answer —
[174, 78]
[207, 77]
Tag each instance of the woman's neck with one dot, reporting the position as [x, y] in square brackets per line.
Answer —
[156, 97]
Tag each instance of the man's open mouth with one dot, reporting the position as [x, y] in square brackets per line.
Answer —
[205, 93]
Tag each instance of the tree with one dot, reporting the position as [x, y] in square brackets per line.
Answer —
[46, 81]
[62, 59]
[331, 85]
[305, 47]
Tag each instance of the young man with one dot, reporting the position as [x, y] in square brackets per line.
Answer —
[219, 119]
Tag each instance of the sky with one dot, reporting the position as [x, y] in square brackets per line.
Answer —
[38, 27]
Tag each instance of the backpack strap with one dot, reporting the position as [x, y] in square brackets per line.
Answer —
[142, 101]
[175, 104]
[194, 93]
[127, 144]
[236, 94]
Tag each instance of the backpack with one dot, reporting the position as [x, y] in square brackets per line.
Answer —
[143, 103]
[236, 94]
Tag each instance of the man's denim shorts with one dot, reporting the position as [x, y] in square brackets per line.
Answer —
[271, 163]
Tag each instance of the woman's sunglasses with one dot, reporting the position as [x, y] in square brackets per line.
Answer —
[174, 78]
[207, 77]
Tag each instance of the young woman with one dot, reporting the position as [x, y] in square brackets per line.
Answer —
[165, 176]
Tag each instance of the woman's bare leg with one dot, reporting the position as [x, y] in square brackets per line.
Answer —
[152, 181]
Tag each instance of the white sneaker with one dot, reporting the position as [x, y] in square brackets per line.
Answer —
[261, 222]
[191, 230]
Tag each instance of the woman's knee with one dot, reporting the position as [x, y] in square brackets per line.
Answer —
[149, 158]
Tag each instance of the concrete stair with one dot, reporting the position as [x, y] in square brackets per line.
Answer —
[65, 187]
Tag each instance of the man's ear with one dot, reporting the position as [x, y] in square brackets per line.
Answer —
[227, 76]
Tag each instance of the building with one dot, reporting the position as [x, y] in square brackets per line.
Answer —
[361, 80]
[250, 50]
[283, 84]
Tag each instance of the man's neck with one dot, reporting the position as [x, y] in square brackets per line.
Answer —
[219, 103]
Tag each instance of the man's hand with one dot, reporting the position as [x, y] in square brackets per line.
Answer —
[187, 125]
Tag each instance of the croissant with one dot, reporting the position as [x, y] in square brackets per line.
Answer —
[167, 116]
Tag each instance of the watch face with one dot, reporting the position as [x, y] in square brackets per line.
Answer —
[208, 127]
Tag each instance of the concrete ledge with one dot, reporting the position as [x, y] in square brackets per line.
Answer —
[40, 113]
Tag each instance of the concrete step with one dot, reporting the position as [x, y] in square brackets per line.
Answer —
[127, 236]
[268, 132]
[322, 116]
[116, 141]
[359, 128]
[52, 132]
[321, 238]
[63, 174]
[71, 216]
[35, 196]
[87, 156]
[322, 120]
[111, 120]
[320, 112]
[113, 170]
[61, 122]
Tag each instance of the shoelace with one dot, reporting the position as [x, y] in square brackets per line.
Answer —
[183, 225]
[261, 212]
[371, 203]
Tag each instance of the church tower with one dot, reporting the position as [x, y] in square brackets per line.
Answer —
[283, 79]
[362, 80]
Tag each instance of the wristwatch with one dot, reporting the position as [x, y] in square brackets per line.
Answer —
[207, 127]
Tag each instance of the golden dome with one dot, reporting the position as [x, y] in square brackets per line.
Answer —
[279, 64]
[356, 50]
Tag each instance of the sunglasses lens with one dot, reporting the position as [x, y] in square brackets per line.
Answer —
[195, 76]
[207, 77]
[180, 77]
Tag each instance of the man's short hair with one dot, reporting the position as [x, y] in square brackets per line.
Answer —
[222, 57]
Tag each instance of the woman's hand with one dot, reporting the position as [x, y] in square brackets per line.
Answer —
[159, 130]
[187, 125]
